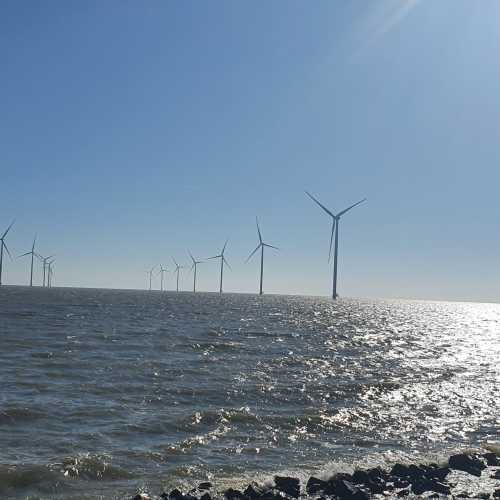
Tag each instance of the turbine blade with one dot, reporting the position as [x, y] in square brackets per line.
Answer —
[191, 255]
[227, 263]
[175, 262]
[250, 256]
[321, 205]
[24, 254]
[349, 208]
[258, 229]
[7, 230]
[331, 239]
[7, 248]
[215, 257]
[224, 247]
[270, 246]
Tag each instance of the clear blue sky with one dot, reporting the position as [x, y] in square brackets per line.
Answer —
[132, 131]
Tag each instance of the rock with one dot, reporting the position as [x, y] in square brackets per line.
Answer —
[467, 463]
[141, 496]
[345, 490]
[206, 496]
[205, 485]
[253, 492]
[342, 476]
[483, 495]
[176, 494]
[360, 477]
[315, 485]
[438, 473]
[403, 493]
[496, 493]
[496, 475]
[232, 494]
[491, 459]
[377, 474]
[420, 486]
[401, 483]
[399, 470]
[288, 485]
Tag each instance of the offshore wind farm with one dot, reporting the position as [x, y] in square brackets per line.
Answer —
[249, 250]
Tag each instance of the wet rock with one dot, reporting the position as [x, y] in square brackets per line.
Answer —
[360, 477]
[232, 494]
[253, 491]
[288, 485]
[345, 490]
[401, 483]
[403, 493]
[496, 493]
[341, 476]
[206, 496]
[315, 485]
[141, 496]
[483, 495]
[420, 486]
[377, 474]
[491, 459]
[205, 485]
[467, 463]
[399, 470]
[176, 494]
[496, 474]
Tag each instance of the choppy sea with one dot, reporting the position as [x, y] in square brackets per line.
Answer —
[106, 392]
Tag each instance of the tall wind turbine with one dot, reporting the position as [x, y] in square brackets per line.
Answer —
[194, 266]
[222, 262]
[33, 255]
[162, 272]
[50, 273]
[2, 246]
[44, 263]
[177, 270]
[335, 229]
[150, 272]
[261, 245]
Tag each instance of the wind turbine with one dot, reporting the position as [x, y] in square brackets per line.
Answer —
[335, 229]
[2, 246]
[222, 262]
[44, 261]
[150, 272]
[50, 273]
[261, 245]
[177, 270]
[33, 255]
[194, 266]
[162, 272]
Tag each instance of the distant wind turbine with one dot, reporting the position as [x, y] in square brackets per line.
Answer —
[194, 267]
[33, 255]
[261, 245]
[177, 270]
[44, 263]
[222, 262]
[335, 229]
[150, 272]
[50, 273]
[2, 246]
[162, 272]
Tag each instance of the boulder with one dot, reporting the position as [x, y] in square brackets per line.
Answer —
[206, 485]
[315, 485]
[288, 485]
[491, 459]
[231, 494]
[345, 490]
[467, 463]
[420, 486]
[496, 493]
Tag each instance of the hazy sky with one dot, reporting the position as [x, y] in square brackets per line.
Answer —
[133, 131]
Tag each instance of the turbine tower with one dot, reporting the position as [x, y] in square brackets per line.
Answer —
[194, 266]
[2, 246]
[335, 229]
[33, 255]
[44, 262]
[50, 273]
[222, 262]
[162, 272]
[150, 272]
[261, 245]
[177, 270]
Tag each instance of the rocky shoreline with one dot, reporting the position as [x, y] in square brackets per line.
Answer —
[473, 475]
